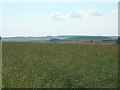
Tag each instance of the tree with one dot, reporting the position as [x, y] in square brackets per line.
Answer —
[0, 38]
[54, 40]
[91, 41]
[118, 40]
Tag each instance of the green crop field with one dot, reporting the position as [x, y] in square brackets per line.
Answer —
[58, 65]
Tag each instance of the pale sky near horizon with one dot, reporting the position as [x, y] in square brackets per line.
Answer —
[59, 18]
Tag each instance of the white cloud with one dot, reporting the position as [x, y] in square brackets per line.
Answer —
[93, 13]
[58, 17]
[76, 14]
[115, 11]
[88, 13]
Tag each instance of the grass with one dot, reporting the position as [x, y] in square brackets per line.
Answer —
[53, 65]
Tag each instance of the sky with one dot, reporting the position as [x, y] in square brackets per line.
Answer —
[59, 0]
[58, 18]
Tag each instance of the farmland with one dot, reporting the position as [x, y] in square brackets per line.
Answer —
[59, 65]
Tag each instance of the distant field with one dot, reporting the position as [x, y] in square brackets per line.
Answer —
[59, 65]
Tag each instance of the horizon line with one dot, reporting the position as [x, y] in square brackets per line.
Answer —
[58, 35]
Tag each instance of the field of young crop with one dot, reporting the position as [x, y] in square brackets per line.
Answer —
[58, 65]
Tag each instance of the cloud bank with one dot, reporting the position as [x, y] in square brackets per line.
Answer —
[77, 14]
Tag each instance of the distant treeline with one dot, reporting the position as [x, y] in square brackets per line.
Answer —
[84, 40]
[66, 38]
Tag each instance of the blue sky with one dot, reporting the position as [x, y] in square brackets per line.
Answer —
[59, 18]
